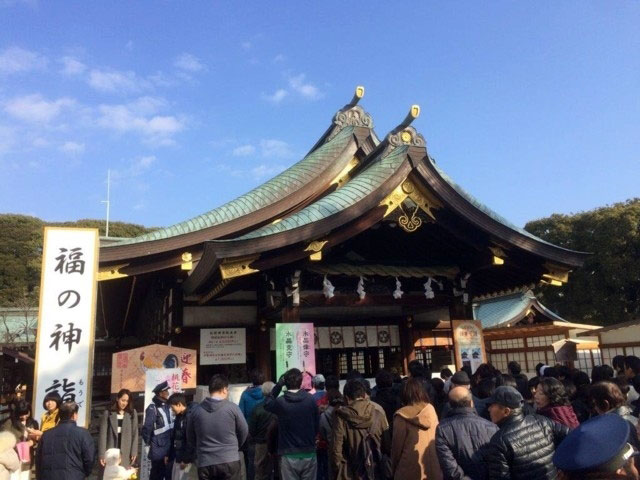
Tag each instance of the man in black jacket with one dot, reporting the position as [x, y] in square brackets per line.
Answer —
[461, 438]
[523, 447]
[297, 414]
[66, 452]
[180, 454]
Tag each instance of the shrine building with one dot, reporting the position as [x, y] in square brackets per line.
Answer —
[365, 237]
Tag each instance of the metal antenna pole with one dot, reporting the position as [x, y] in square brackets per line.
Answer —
[108, 201]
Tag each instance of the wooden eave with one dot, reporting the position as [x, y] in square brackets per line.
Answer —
[615, 326]
[322, 184]
[452, 198]
[537, 327]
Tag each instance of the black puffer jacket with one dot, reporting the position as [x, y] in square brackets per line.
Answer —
[523, 448]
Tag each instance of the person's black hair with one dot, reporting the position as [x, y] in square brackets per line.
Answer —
[218, 383]
[554, 390]
[467, 369]
[20, 408]
[618, 363]
[354, 375]
[256, 377]
[533, 382]
[632, 362]
[506, 380]
[550, 372]
[55, 396]
[538, 367]
[293, 379]
[514, 368]
[67, 409]
[570, 389]
[623, 384]
[486, 387]
[601, 373]
[416, 369]
[335, 398]
[332, 382]
[446, 373]
[354, 389]
[563, 371]
[485, 370]
[580, 378]
[384, 379]
[438, 384]
[635, 381]
[177, 399]
[366, 384]
[121, 393]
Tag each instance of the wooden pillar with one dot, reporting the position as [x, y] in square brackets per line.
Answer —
[262, 347]
[406, 342]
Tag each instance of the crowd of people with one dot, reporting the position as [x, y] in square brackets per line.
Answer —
[561, 423]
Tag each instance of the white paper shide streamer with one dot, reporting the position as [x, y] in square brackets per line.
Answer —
[327, 288]
[360, 289]
[397, 293]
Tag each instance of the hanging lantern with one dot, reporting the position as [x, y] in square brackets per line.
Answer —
[428, 290]
[397, 293]
[360, 289]
[327, 288]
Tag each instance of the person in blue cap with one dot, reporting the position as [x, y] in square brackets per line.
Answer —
[598, 448]
[523, 447]
[156, 432]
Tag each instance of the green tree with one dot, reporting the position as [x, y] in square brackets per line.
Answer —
[606, 289]
[21, 253]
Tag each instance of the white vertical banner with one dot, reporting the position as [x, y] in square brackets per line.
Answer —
[153, 377]
[66, 318]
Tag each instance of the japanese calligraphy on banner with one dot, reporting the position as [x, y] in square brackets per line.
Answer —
[295, 347]
[150, 379]
[469, 344]
[223, 345]
[66, 318]
[128, 367]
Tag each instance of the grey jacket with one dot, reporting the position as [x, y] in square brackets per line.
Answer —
[108, 435]
[216, 431]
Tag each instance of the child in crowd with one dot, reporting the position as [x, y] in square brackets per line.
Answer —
[113, 470]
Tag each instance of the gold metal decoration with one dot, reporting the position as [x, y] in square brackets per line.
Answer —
[498, 260]
[406, 137]
[344, 175]
[315, 257]
[111, 273]
[187, 261]
[316, 246]
[424, 200]
[359, 91]
[556, 273]
[410, 224]
[238, 267]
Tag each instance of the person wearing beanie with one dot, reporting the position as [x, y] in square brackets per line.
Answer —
[113, 470]
[524, 445]
[598, 448]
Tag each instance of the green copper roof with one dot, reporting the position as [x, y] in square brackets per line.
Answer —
[501, 310]
[364, 183]
[283, 184]
[483, 208]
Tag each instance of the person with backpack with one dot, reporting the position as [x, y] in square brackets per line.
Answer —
[358, 441]
[413, 450]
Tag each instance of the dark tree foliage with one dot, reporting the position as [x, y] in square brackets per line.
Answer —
[606, 289]
[21, 253]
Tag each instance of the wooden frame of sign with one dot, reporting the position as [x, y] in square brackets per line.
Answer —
[468, 343]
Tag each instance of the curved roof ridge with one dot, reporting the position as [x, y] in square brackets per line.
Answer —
[278, 187]
[362, 184]
[488, 211]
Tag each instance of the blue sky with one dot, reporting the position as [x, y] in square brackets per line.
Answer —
[533, 107]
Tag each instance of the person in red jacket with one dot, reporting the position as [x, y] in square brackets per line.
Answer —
[551, 401]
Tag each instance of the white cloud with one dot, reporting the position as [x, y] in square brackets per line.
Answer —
[263, 170]
[135, 168]
[246, 45]
[142, 117]
[129, 45]
[72, 148]
[40, 142]
[279, 58]
[34, 108]
[272, 148]
[19, 60]
[72, 66]
[277, 96]
[305, 89]
[116, 81]
[243, 151]
[7, 139]
[188, 62]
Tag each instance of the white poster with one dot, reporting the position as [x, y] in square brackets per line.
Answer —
[66, 319]
[295, 347]
[223, 345]
[153, 377]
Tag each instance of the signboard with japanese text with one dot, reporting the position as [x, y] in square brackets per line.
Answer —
[151, 378]
[295, 347]
[128, 368]
[469, 344]
[223, 345]
[66, 318]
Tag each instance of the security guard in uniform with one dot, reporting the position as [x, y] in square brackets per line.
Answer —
[156, 433]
